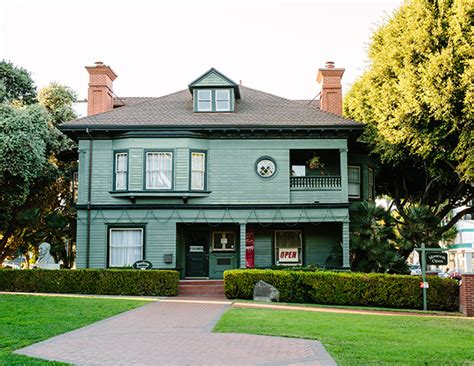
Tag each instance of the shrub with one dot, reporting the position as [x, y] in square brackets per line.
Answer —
[362, 289]
[92, 281]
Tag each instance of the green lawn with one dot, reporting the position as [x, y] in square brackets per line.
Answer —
[25, 320]
[354, 339]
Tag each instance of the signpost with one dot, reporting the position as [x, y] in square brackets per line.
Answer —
[430, 258]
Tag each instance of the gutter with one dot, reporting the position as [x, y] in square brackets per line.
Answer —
[89, 200]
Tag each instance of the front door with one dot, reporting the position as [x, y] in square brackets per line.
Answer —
[197, 254]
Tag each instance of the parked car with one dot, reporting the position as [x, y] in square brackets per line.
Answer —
[415, 269]
[455, 273]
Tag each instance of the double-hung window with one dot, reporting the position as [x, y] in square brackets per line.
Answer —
[354, 181]
[288, 247]
[159, 170]
[198, 170]
[204, 103]
[213, 100]
[125, 246]
[222, 100]
[121, 171]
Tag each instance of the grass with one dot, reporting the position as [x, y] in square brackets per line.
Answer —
[25, 320]
[352, 307]
[354, 339]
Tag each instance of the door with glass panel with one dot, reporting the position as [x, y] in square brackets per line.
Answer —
[197, 254]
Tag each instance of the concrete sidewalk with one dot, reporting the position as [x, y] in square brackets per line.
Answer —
[174, 333]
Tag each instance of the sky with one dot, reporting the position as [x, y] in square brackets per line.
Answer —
[159, 47]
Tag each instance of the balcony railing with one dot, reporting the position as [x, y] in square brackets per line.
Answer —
[313, 183]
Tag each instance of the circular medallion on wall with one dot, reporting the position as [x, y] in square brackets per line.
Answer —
[266, 167]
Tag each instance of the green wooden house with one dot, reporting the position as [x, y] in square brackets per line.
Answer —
[216, 176]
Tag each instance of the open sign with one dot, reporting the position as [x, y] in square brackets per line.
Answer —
[288, 255]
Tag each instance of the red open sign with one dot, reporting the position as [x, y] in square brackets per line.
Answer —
[288, 255]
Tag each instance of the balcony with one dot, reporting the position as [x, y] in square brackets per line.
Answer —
[315, 183]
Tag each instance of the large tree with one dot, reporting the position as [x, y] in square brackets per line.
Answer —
[16, 84]
[35, 173]
[416, 98]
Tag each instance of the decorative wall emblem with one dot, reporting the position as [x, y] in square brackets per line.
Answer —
[266, 167]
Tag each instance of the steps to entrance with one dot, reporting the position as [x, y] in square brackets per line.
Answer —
[201, 288]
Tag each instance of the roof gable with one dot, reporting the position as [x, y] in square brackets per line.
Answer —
[214, 78]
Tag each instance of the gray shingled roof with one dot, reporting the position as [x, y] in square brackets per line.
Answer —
[254, 109]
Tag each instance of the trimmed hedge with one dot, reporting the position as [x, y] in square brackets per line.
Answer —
[92, 281]
[357, 289]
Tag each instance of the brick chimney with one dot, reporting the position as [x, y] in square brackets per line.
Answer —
[331, 90]
[100, 96]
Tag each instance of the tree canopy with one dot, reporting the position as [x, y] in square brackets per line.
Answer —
[416, 98]
[16, 84]
[35, 193]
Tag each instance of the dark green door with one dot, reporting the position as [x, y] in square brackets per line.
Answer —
[197, 254]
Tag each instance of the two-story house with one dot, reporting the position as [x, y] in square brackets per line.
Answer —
[216, 176]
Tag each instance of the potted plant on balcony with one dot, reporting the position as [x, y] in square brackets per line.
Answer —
[315, 163]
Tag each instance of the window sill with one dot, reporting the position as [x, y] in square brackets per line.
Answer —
[159, 193]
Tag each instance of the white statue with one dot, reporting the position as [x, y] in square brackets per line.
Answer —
[45, 259]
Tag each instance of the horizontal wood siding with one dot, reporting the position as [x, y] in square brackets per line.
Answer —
[326, 196]
[263, 247]
[320, 242]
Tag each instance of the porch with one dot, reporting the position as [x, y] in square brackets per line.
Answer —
[205, 251]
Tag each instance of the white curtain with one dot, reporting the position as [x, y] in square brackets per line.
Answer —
[121, 171]
[125, 247]
[159, 170]
[198, 169]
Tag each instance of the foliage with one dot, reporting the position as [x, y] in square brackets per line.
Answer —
[364, 339]
[416, 99]
[16, 85]
[30, 319]
[36, 166]
[58, 100]
[373, 241]
[381, 290]
[92, 281]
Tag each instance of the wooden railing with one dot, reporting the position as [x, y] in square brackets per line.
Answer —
[313, 183]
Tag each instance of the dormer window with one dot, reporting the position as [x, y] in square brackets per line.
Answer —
[204, 102]
[223, 100]
[214, 92]
[213, 100]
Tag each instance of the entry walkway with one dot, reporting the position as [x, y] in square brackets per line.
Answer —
[174, 333]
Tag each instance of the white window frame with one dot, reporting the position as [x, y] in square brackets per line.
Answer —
[359, 182]
[203, 171]
[111, 246]
[199, 91]
[227, 109]
[147, 170]
[300, 251]
[116, 188]
[224, 249]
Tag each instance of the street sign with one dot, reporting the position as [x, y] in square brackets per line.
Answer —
[437, 258]
[424, 285]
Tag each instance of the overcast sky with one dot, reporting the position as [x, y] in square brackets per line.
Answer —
[159, 47]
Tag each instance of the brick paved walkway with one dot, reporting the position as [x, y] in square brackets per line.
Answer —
[174, 333]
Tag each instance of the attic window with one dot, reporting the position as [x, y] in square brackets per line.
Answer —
[213, 100]
[204, 103]
[222, 100]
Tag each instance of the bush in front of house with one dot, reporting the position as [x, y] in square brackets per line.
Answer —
[92, 281]
[336, 288]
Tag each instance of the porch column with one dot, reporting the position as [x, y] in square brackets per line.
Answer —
[345, 245]
[243, 233]
[344, 178]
